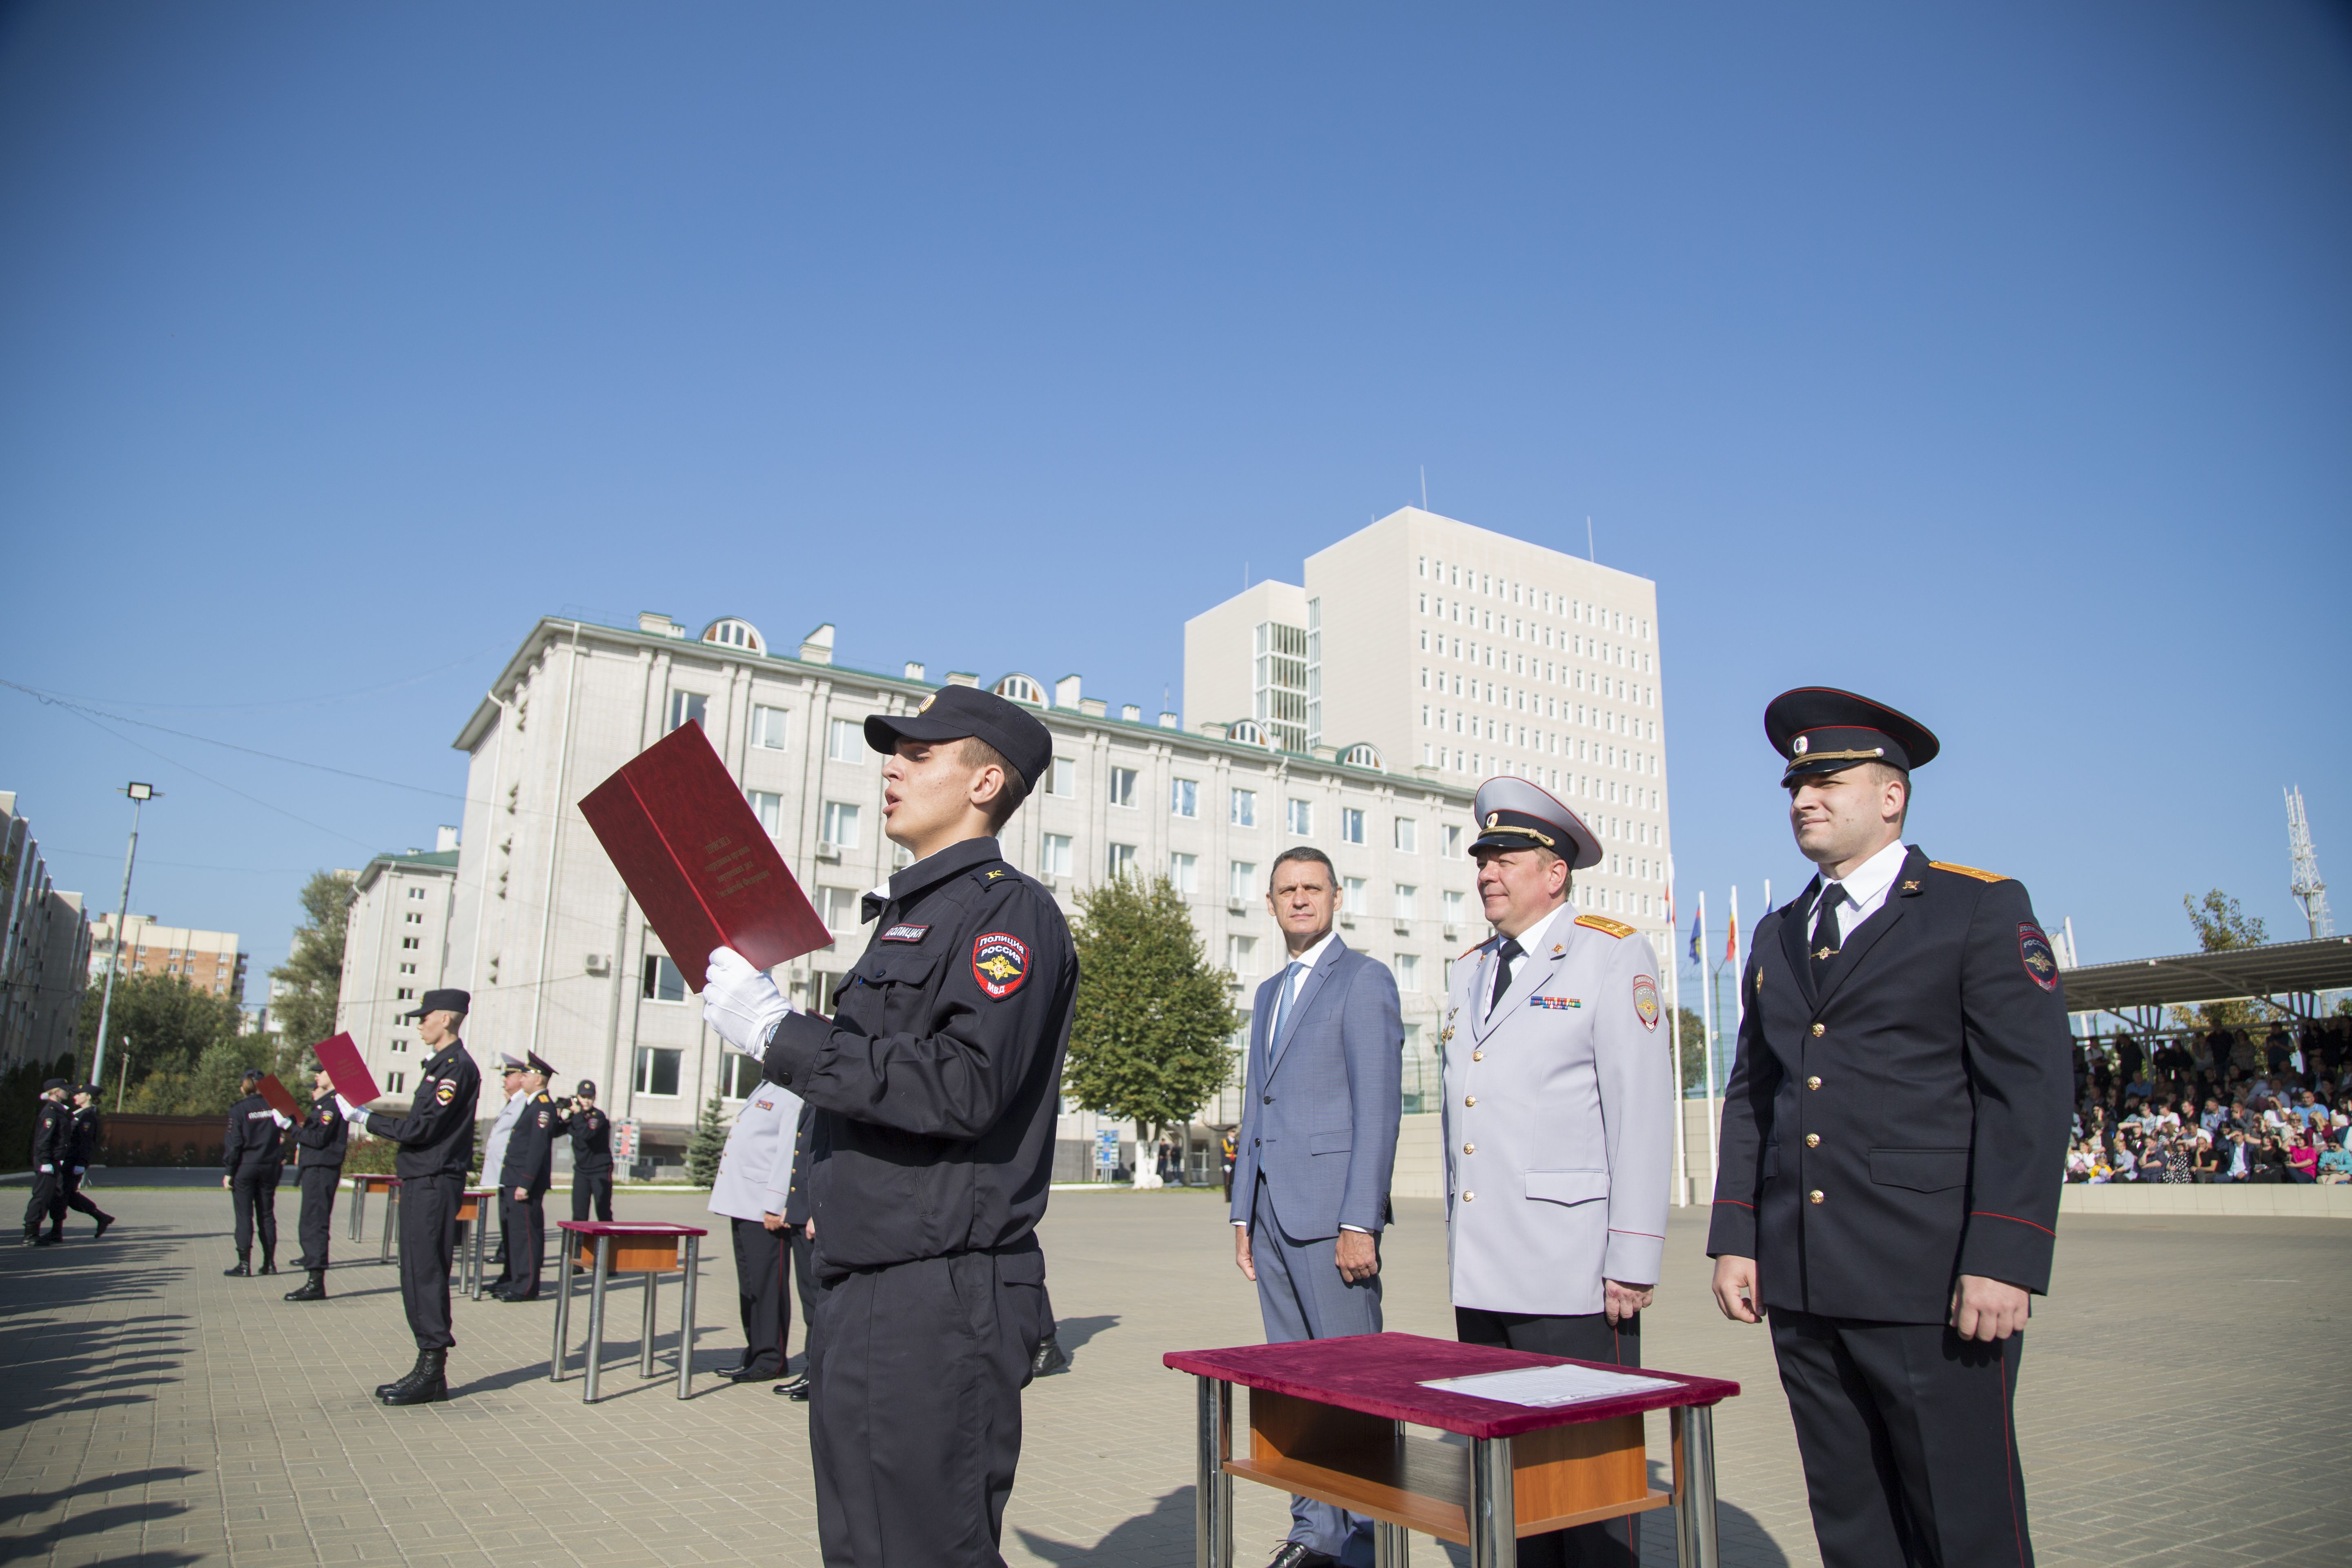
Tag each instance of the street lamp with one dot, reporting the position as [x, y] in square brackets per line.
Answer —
[139, 794]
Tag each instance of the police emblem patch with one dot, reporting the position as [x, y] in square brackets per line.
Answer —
[1645, 1001]
[542, 1118]
[2033, 950]
[1000, 961]
[447, 1093]
[905, 933]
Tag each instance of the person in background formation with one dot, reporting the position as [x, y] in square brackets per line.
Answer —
[524, 1177]
[253, 1156]
[1228, 1150]
[751, 1191]
[936, 1087]
[592, 1153]
[52, 1148]
[1317, 1144]
[1559, 1107]
[436, 1155]
[319, 1148]
[1893, 1138]
[511, 1070]
[88, 1132]
[800, 1240]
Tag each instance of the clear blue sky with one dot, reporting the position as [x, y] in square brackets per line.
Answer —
[1995, 360]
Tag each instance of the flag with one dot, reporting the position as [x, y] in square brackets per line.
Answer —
[1731, 937]
[1695, 957]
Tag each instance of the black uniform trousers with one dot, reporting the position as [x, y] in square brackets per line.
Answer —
[1616, 1543]
[428, 1241]
[763, 1260]
[69, 1197]
[1909, 1446]
[255, 1196]
[317, 1184]
[596, 1187]
[47, 1185]
[915, 1407]
[523, 1233]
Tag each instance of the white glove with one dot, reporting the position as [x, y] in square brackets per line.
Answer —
[280, 1117]
[740, 1002]
[353, 1111]
[81, 1170]
[48, 1169]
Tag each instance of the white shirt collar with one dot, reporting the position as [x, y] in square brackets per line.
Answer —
[1868, 882]
[1532, 939]
[1309, 959]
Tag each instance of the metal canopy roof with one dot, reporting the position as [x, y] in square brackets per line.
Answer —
[2274, 969]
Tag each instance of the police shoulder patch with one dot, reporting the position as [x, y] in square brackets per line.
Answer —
[446, 1093]
[1618, 929]
[542, 1118]
[2033, 952]
[1000, 961]
[1967, 871]
[1645, 1001]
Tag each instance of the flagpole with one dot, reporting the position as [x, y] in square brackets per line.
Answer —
[1713, 1151]
[1674, 1000]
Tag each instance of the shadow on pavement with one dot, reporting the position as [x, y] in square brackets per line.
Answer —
[1147, 1538]
[1074, 1333]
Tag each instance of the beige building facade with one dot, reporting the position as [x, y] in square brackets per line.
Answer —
[44, 949]
[207, 960]
[396, 948]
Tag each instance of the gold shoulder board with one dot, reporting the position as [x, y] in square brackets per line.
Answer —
[1472, 947]
[1969, 872]
[1603, 922]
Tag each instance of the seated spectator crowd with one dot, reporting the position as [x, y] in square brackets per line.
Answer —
[2213, 1108]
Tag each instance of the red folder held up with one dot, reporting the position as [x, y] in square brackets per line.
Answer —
[280, 1101]
[697, 862]
[341, 1058]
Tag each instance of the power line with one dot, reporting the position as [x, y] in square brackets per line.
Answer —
[289, 702]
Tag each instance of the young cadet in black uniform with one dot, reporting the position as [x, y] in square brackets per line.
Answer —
[592, 1153]
[52, 1148]
[436, 1155]
[319, 1148]
[935, 1084]
[1893, 1140]
[524, 1177]
[87, 1133]
[253, 1156]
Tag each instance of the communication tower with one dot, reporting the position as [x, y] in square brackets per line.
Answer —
[2306, 887]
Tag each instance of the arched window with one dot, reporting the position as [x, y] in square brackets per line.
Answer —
[1021, 688]
[1248, 732]
[1362, 755]
[734, 633]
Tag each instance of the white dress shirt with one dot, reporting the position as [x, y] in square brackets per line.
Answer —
[1530, 941]
[1865, 890]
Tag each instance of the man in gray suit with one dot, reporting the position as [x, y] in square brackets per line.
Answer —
[1558, 1119]
[1317, 1139]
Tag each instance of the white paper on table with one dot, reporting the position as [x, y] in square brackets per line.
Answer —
[1548, 1386]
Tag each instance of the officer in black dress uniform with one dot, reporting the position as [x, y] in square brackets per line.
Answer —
[253, 1156]
[1894, 1139]
[524, 1177]
[319, 1147]
[88, 1132]
[592, 1153]
[52, 1148]
[436, 1155]
[935, 1085]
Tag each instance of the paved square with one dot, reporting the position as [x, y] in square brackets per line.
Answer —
[2185, 1400]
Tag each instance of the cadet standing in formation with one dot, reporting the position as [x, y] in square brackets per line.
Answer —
[592, 1154]
[524, 1175]
[436, 1155]
[52, 1150]
[1558, 1119]
[1893, 1143]
[253, 1156]
[319, 1149]
[936, 1086]
[88, 1132]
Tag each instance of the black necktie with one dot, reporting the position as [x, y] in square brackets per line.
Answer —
[1504, 956]
[1825, 929]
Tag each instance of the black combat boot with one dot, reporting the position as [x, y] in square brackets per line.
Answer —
[103, 1221]
[1048, 1358]
[311, 1289]
[269, 1263]
[385, 1390]
[428, 1385]
[244, 1267]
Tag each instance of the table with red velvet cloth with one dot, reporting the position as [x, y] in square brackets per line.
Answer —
[611, 1247]
[1328, 1419]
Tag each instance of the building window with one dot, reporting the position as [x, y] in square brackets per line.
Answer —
[395, 1082]
[1301, 818]
[1241, 881]
[658, 1071]
[408, 969]
[1408, 970]
[1021, 688]
[1408, 836]
[1184, 872]
[1122, 861]
[1245, 809]
[846, 740]
[1122, 787]
[1183, 797]
[769, 728]
[1452, 907]
[1452, 841]
[1058, 855]
[409, 944]
[1279, 685]
[1408, 901]
[413, 918]
[838, 907]
[840, 825]
[1241, 955]
[1062, 778]
[738, 1075]
[1351, 895]
[404, 994]
[769, 807]
[660, 981]
[416, 892]
[685, 707]
[1351, 825]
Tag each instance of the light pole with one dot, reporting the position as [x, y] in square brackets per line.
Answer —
[139, 794]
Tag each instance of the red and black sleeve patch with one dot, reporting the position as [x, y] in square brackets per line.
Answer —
[1000, 961]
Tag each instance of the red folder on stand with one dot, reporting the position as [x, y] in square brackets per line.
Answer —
[341, 1058]
[698, 863]
[280, 1101]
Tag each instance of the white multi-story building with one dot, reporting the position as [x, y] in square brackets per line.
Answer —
[44, 949]
[1449, 654]
[396, 948]
[559, 960]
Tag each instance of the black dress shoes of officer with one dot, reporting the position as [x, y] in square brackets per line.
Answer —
[311, 1289]
[428, 1385]
[1050, 1358]
[268, 1264]
[1298, 1555]
[525, 1296]
[103, 1221]
[244, 1267]
[748, 1375]
[795, 1388]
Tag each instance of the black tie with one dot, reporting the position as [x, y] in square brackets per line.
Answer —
[1504, 956]
[1825, 929]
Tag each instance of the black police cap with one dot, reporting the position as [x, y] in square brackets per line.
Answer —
[49, 1084]
[537, 1064]
[955, 713]
[1821, 730]
[585, 1089]
[452, 1001]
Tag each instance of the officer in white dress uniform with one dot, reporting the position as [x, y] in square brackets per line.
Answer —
[1558, 1118]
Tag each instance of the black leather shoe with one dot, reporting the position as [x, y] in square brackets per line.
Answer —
[1298, 1555]
[795, 1389]
[1050, 1358]
[533, 1296]
[103, 1221]
[242, 1269]
[747, 1375]
[269, 1266]
[428, 1385]
[311, 1289]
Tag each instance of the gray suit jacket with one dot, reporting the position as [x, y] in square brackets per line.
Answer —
[1319, 1122]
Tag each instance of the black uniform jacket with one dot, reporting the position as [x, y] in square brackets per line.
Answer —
[53, 1136]
[796, 1199]
[88, 1132]
[254, 1141]
[1908, 1124]
[936, 1082]
[321, 1140]
[592, 1141]
[529, 1160]
[436, 1136]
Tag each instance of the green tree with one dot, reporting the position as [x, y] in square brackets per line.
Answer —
[710, 1141]
[161, 1027]
[2222, 924]
[313, 970]
[1147, 1040]
[1694, 1052]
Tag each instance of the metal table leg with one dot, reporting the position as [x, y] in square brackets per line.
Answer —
[562, 1305]
[597, 1314]
[645, 1341]
[1696, 1545]
[1391, 1546]
[358, 1208]
[390, 1215]
[481, 1245]
[1213, 1489]
[1494, 1511]
[686, 1325]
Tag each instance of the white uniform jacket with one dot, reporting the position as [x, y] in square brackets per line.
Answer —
[755, 1170]
[1558, 1117]
[502, 1126]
